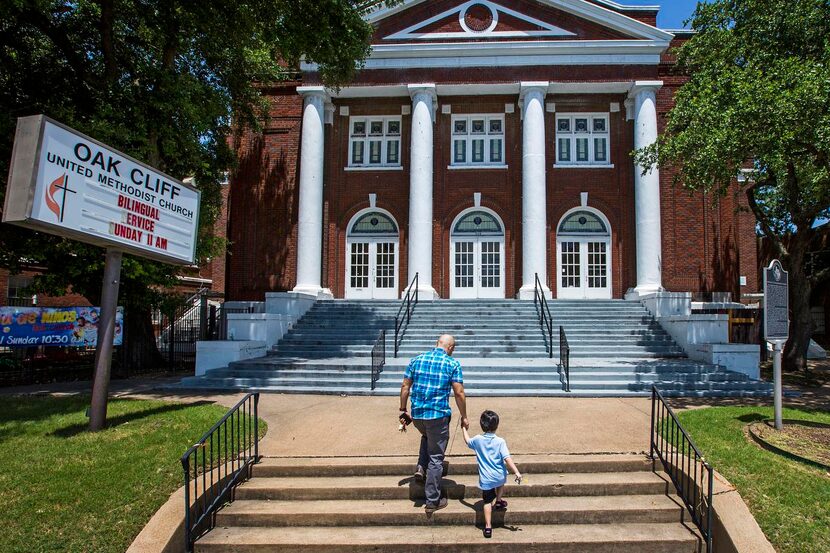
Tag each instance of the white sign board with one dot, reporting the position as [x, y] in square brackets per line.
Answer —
[63, 182]
[776, 303]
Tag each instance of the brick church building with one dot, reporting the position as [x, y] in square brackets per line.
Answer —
[484, 143]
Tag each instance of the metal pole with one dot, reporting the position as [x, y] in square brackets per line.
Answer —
[776, 373]
[106, 335]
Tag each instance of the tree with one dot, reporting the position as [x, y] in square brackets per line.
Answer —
[161, 81]
[758, 101]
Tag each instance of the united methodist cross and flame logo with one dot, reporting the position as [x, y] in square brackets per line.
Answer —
[59, 184]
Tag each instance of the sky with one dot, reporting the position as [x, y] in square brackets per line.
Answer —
[672, 12]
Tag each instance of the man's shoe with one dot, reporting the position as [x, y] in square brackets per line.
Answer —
[419, 474]
[430, 508]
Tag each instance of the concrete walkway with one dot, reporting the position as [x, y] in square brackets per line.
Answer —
[320, 425]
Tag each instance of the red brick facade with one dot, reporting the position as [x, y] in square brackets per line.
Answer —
[707, 243]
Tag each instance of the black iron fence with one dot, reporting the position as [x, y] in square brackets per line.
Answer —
[216, 464]
[378, 357]
[408, 304]
[565, 358]
[158, 339]
[691, 475]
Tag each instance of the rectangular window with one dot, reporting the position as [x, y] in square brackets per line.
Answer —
[460, 147]
[478, 140]
[564, 150]
[375, 142]
[582, 139]
[357, 152]
[582, 149]
[374, 152]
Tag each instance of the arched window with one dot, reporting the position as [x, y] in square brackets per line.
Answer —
[477, 222]
[373, 223]
[583, 222]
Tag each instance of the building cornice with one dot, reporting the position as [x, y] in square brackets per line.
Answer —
[512, 54]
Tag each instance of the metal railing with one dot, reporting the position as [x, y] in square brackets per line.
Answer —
[565, 358]
[216, 464]
[545, 319]
[378, 357]
[691, 475]
[402, 318]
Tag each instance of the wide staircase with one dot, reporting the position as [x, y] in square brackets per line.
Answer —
[573, 503]
[616, 349]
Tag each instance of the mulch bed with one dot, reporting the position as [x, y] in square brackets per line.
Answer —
[805, 439]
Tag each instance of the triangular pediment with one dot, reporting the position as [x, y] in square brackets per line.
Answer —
[477, 19]
[500, 20]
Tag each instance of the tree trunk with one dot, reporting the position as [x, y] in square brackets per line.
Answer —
[801, 322]
[140, 351]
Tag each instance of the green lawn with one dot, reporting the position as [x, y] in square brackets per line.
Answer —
[790, 500]
[64, 489]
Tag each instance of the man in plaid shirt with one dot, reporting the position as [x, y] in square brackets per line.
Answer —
[428, 380]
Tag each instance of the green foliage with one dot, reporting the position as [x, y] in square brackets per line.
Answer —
[758, 98]
[790, 500]
[159, 80]
[72, 490]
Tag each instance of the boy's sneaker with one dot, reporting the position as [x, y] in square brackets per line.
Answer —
[430, 508]
[419, 474]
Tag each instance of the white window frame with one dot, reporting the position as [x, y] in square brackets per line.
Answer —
[572, 137]
[468, 138]
[384, 138]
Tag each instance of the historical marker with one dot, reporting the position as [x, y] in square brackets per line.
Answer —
[776, 323]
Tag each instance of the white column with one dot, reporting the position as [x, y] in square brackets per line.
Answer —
[647, 192]
[310, 217]
[420, 188]
[534, 200]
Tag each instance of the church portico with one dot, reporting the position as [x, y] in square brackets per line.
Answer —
[531, 116]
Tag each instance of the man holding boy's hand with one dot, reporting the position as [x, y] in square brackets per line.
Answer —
[428, 380]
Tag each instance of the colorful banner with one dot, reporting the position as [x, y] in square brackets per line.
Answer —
[54, 326]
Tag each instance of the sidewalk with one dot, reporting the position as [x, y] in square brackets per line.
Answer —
[325, 425]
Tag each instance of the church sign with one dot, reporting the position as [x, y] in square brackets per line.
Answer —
[776, 303]
[63, 182]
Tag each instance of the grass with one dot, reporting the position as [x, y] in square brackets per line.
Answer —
[64, 489]
[790, 500]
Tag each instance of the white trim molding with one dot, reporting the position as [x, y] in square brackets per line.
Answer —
[512, 54]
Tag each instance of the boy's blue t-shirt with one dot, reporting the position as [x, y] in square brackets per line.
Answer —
[491, 451]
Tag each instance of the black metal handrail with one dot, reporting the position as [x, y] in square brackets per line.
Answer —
[378, 357]
[545, 319]
[217, 463]
[409, 301]
[565, 357]
[691, 475]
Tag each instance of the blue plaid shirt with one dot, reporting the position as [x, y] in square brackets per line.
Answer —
[432, 375]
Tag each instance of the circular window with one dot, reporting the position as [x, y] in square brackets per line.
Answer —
[374, 222]
[478, 18]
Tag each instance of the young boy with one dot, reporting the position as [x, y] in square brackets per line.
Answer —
[492, 455]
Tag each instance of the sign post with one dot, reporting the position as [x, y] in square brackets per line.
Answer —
[65, 183]
[776, 324]
[103, 351]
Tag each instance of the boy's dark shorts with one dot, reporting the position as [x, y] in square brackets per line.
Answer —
[488, 495]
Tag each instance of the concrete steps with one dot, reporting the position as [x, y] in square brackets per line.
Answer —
[616, 349]
[582, 503]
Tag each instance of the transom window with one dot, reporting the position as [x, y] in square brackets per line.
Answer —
[582, 139]
[478, 140]
[374, 141]
[583, 222]
[374, 223]
[477, 222]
